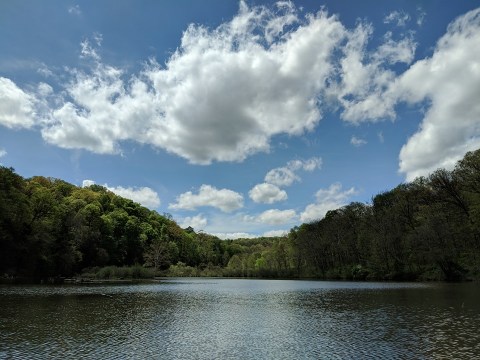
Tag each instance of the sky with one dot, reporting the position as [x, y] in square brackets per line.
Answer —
[239, 118]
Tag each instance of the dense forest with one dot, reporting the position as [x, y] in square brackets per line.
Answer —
[428, 229]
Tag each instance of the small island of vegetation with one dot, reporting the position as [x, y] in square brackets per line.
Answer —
[428, 229]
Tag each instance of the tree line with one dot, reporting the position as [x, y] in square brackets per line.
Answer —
[428, 229]
[50, 228]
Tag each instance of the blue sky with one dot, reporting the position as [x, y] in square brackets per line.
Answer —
[239, 118]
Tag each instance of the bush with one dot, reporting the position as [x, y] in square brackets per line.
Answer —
[182, 270]
[114, 272]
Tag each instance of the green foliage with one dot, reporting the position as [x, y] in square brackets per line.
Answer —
[427, 230]
[182, 270]
[49, 228]
[119, 273]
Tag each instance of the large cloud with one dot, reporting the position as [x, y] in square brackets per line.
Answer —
[326, 199]
[267, 193]
[142, 195]
[221, 96]
[272, 217]
[225, 92]
[364, 85]
[223, 199]
[16, 106]
[276, 217]
[197, 222]
[450, 81]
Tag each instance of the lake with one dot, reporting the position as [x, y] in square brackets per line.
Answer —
[241, 319]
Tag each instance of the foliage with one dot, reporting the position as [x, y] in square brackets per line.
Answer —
[49, 228]
[428, 229]
[116, 272]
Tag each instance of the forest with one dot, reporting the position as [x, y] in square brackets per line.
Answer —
[428, 229]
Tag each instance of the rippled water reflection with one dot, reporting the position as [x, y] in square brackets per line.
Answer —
[241, 319]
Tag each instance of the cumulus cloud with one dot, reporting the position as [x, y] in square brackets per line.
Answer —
[450, 81]
[223, 199]
[226, 91]
[267, 193]
[221, 96]
[272, 217]
[17, 108]
[276, 217]
[357, 141]
[142, 195]
[364, 86]
[326, 199]
[197, 222]
[401, 51]
[282, 176]
[286, 175]
[87, 183]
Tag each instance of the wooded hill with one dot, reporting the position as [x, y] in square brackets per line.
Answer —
[428, 229]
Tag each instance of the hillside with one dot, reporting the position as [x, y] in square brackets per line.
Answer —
[426, 229]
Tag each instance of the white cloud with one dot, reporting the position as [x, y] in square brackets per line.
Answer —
[364, 88]
[420, 16]
[357, 141]
[197, 222]
[286, 175]
[312, 164]
[276, 217]
[400, 18]
[235, 235]
[142, 195]
[326, 199]
[272, 217]
[223, 199]
[87, 183]
[402, 51]
[226, 91]
[75, 10]
[267, 193]
[87, 51]
[220, 97]
[450, 81]
[281, 177]
[275, 233]
[16, 106]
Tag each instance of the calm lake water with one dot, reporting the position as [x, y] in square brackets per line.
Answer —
[241, 319]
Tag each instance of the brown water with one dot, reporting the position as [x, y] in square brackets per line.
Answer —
[241, 319]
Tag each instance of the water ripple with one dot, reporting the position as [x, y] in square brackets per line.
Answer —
[247, 319]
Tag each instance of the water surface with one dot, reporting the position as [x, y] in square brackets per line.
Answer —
[241, 319]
